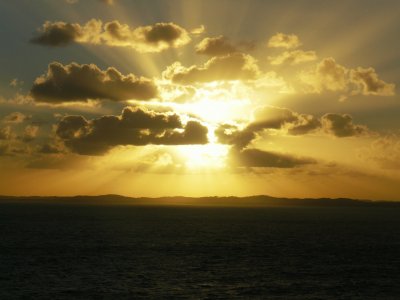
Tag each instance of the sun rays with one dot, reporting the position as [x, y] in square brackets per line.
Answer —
[241, 97]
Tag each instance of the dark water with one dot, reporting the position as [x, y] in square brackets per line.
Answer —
[97, 252]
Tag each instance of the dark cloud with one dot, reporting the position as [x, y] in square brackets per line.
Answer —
[215, 46]
[232, 135]
[152, 38]
[59, 34]
[235, 66]
[266, 159]
[141, 118]
[49, 149]
[163, 32]
[135, 126]
[304, 124]
[71, 126]
[270, 117]
[108, 2]
[74, 82]
[341, 125]
[267, 117]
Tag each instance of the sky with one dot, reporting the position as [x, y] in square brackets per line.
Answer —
[200, 98]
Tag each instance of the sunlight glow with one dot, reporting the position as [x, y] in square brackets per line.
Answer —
[215, 111]
[114, 113]
[211, 156]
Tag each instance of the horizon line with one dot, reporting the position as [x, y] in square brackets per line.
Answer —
[226, 201]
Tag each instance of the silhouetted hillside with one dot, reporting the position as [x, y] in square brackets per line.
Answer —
[251, 201]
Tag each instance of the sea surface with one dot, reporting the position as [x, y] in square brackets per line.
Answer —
[148, 252]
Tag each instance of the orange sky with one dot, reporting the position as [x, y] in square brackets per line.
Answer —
[200, 98]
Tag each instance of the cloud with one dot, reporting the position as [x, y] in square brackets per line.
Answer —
[198, 30]
[271, 82]
[176, 93]
[244, 154]
[135, 126]
[266, 159]
[16, 82]
[152, 38]
[71, 126]
[231, 135]
[6, 133]
[304, 124]
[293, 123]
[215, 46]
[341, 125]
[15, 117]
[271, 117]
[74, 82]
[281, 40]
[266, 118]
[328, 75]
[49, 149]
[13, 139]
[384, 151]
[108, 2]
[235, 66]
[293, 57]
[30, 133]
[59, 34]
[369, 83]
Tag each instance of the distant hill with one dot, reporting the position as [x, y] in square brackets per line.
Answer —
[252, 201]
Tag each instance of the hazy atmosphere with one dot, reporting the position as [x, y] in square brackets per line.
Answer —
[200, 98]
[200, 149]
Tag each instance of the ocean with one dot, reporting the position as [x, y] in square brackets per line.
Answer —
[61, 251]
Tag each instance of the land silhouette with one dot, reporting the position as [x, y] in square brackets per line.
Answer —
[229, 201]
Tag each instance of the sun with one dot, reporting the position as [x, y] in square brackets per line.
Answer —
[204, 157]
[216, 111]
[213, 103]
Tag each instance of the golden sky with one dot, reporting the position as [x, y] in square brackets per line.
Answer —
[200, 98]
